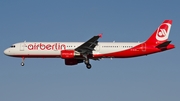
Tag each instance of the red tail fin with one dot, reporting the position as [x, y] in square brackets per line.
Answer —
[161, 34]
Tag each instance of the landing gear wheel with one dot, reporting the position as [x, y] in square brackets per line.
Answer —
[22, 63]
[88, 66]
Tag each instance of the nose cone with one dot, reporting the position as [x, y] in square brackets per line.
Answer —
[6, 52]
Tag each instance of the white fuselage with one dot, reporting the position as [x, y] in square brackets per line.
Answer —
[54, 48]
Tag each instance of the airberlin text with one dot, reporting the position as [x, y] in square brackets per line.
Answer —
[41, 46]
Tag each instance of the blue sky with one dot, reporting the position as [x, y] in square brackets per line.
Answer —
[148, 78]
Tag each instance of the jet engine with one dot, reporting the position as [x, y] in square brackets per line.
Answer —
[69, 54]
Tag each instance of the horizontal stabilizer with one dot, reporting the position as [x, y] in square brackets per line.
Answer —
[163, 45]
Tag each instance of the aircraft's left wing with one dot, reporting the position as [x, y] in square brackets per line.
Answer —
[88, 46]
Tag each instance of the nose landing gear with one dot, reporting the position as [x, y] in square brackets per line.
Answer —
[22, 63]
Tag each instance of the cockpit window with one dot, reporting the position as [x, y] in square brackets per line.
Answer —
[13, 46]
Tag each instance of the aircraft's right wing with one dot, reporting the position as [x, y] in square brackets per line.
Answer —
[88, 46]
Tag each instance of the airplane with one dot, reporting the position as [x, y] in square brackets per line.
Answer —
[74, 53]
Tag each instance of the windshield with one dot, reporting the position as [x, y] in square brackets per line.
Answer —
[13, 46]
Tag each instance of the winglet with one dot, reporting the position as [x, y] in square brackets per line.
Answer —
[100, 35]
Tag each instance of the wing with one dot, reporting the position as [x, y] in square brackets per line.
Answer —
[88, 46]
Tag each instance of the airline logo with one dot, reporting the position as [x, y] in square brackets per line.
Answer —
[41, 46]
[163, 32]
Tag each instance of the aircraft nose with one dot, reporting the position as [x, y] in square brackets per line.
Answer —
[6, 52]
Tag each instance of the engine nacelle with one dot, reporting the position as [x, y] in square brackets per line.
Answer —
[69, 54]
[72, 61]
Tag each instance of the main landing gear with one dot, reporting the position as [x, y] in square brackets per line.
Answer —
[86, 61]
[22, 63]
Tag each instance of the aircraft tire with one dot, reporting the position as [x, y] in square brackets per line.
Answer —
[88, 66]
[22, 63]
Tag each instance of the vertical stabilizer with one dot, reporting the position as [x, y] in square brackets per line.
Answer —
[161, 34]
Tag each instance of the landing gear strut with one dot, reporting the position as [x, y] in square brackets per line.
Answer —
[22, 63]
